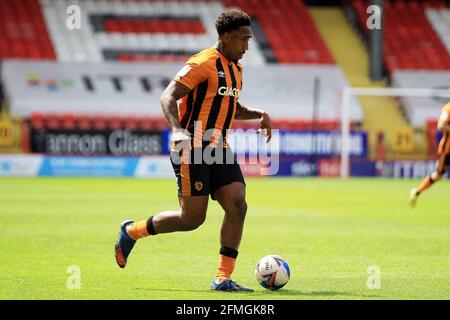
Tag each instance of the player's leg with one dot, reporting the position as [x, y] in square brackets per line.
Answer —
[193, 192]
[228, 188]
[430, 180]
[232, 199]
[190, 217]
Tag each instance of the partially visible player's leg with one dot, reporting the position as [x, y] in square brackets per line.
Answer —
[424, 185]
[232, 199]
[228, 188]
[193, 193]
[190, 217]
[442, 163]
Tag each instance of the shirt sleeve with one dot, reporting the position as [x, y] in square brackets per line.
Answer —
[191, 75]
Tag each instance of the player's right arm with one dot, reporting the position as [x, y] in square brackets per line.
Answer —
[174, 92]
[184, 82]
[444, 122]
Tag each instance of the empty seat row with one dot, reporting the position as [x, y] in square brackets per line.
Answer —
[137, 57]
[71, 121]
[150, 25]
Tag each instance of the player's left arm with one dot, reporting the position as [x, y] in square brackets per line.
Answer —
[443, 123]
[245, 113]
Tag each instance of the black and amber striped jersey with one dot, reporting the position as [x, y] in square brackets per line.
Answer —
[215, 84]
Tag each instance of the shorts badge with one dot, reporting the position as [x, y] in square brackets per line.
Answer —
[198, 185]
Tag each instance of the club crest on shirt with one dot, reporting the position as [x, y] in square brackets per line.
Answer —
[198, 185]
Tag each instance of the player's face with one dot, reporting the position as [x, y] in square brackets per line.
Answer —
[237, 43]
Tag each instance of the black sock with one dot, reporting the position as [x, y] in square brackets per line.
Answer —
[229, 252]
[150, 228]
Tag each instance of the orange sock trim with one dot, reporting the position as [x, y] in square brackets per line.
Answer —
[425, 184]
[138, 230]
[225, 267]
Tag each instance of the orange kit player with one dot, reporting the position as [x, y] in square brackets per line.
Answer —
[443, 154]
[208, 87]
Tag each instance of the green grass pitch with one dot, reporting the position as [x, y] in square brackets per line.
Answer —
[330, 232]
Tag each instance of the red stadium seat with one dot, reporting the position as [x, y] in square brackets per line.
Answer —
[53, 121]
[114, 122]
[99, 122]
[131, 123]
[160, 123]
[68, 121]
[145, 123]
[84, 122]
[37, 121]
[23, 33]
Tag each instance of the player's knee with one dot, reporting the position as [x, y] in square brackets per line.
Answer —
[192, 222]
[436, 176]
[241, 206]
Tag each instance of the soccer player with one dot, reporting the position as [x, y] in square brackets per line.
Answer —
[443, 156]
[208, 86]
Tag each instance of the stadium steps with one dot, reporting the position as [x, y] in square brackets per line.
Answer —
[380, 113]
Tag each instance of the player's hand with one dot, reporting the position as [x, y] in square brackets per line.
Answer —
[265, 126]
[179, 134]
[181, 139]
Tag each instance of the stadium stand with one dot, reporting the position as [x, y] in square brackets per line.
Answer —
[380, 113]
[416, 51]
[142, 30]
[170, 31]
[23, 31]
[153, 29]
[295, 39]
[127, 30]
[410, 42]
[417, 38]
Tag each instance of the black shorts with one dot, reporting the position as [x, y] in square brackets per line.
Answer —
[206, 170]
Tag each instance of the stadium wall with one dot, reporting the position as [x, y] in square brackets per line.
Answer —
[135, 89]
[19, 165]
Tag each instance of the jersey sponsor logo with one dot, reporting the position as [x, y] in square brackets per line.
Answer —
[226, 91]
[221, 74]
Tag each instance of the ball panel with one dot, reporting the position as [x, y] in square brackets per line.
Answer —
[272, 272]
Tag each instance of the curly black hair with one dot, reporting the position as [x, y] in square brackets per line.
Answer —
[231, 20]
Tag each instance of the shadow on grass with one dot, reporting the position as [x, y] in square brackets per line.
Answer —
[279, 293]
[293, 293]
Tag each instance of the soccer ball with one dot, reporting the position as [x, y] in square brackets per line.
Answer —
[272, 272]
